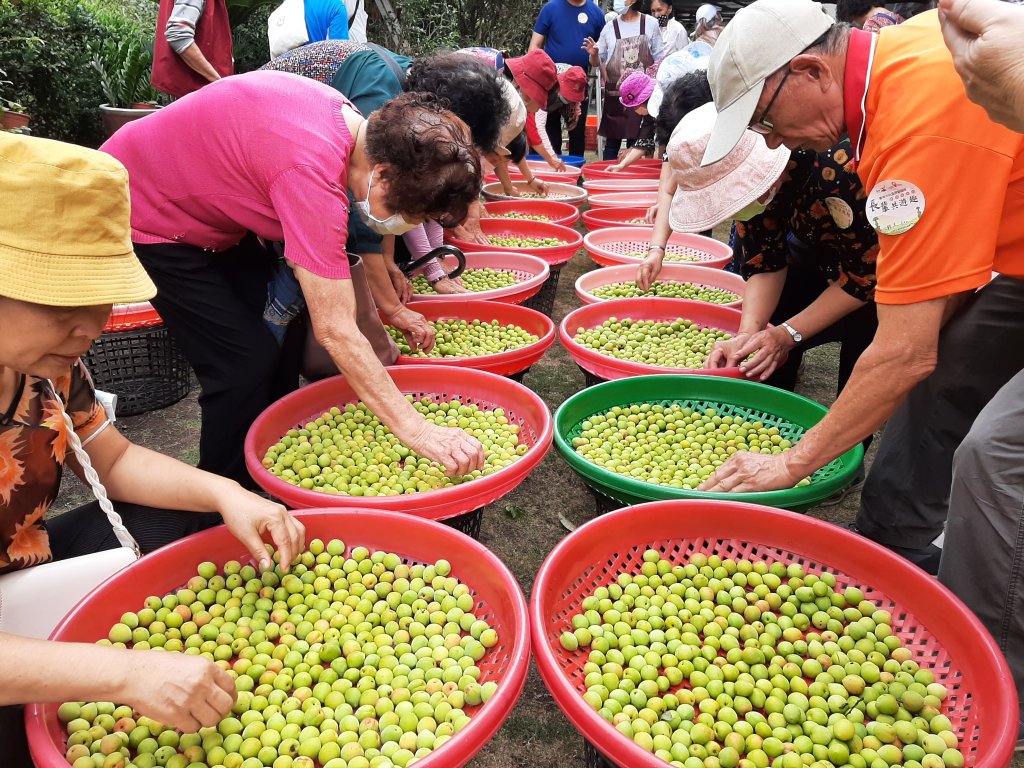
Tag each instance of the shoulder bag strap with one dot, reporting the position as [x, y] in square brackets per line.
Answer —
[352, 18]
[390, 61]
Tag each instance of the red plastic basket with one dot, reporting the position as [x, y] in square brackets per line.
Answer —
[647, 168]
[499, 602]
[570, 175]
[667, 310]
[943, 633]
[554, 255]
[624, 199]
[128, 317]
[563, 193]
[531, 271]
[554, 211]
[603, 218]
[503, 363]
[439, 382]
[670, 272]
[614, 245]
[600, 186]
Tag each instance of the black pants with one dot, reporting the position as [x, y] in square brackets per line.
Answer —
[213, 304]
[577, 136]
[804, 284]
[83, 531]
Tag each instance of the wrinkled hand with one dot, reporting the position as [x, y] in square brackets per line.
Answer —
[725, 354]
[747, 472]
[649, 270]
[454, 449]
[250, 517]
[538, 186]
[184, 692]
[768, 347]
[414, 327]
[652, 214]
[469, 231]
[447, 285]
[986, 38]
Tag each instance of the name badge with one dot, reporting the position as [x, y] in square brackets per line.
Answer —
[894, 206]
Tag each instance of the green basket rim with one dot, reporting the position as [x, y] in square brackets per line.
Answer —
[735, 392]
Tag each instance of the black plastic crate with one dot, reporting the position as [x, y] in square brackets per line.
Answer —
[544, 300]
[468, 523]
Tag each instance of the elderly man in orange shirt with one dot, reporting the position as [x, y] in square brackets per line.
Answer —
[945, 191]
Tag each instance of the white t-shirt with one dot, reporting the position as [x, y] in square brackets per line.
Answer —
[357, 29]
[674, 37]
[606, 44]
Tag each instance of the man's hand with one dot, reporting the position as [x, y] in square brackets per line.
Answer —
[456, 450]
[747, 472]
[986, 38]
[414, 327]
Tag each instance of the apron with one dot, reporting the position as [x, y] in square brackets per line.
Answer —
[632, 54]
[317, 364]
[213, 37]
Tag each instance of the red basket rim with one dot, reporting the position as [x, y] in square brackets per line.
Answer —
[624, 199]
[426, 541]
[605, 367]
[554, 255]
[575, 195]
[719, 253]
[509, 294]
[126, 317]
[607, 217]
[312, 400]
[670, 272]
[502, 363]
[569, 175]
[564, 214]
[621, 185]
[864, 562]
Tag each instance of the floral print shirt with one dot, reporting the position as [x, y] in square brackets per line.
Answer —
[33, 448]
[821, 204]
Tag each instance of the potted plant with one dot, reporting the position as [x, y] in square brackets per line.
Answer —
[13, 116]
[124, 67]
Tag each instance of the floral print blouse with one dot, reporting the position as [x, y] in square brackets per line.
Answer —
[33, 449]
[821, 204]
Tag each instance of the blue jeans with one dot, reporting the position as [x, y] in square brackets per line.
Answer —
[284, 301]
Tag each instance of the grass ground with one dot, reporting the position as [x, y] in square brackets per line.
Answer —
[536, 733]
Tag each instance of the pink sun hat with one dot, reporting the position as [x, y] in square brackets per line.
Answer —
[636, 89]
[706, 196]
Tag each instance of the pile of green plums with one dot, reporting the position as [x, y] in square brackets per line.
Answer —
[677, 343]
[514, 241]
[524, 216]
[668, 289]
[475, 280]
[467, 338]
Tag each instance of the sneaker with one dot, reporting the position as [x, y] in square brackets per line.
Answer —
[927, 559]
[838, 496]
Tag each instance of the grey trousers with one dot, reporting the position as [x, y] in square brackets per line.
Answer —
[983, 554]
[906, 496]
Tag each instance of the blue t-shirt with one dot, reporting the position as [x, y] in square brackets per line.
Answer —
[565, 26]
[326, 20]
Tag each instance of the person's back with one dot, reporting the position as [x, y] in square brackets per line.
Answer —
[335, 20]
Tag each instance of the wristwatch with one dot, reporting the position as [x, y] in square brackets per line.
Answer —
[797, 336]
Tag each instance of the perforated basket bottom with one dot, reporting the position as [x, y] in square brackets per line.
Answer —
[544, 300]
[788, 430]
[925, 648]
[637, 249]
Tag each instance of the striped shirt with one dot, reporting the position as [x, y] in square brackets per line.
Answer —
[181, 24]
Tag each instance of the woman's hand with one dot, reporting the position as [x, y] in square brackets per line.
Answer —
[557, 163]
[414, 327]
[447, 285]
[538, 186]
[649, 270]
[403, 286]
[652, 214]
[453, 448]
[250, 517]
[766, 350]
[180, 691]
[619, 166]
[725, 354]
[470, 232]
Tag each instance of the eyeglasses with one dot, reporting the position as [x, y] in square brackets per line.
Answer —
[764, 126]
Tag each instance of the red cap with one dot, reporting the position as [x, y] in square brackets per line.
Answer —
[573, 84]
[535, 75]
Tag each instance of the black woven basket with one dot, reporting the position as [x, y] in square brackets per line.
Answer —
[592, 758]
[544, 300]
[590, 378]
[469, 523]
[144, 367]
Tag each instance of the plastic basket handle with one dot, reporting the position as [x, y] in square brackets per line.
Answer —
[124, 537]
[441, 250]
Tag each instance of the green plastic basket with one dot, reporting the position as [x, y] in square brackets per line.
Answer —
[791, 413]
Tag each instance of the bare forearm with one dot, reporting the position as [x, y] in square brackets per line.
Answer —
[198, 62]
[381, 287]
[830, 307]
[760, 299]
[631, 157]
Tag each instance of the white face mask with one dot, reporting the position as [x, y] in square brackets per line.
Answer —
[753, 209]
[395, 224]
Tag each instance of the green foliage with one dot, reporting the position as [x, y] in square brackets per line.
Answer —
[249, 39]
[239, 11]
[123, 67]
[425, 26]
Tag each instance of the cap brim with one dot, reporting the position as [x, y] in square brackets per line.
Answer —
[730, 125]
[73, 281]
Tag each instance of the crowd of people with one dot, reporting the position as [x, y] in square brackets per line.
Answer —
[873, 175]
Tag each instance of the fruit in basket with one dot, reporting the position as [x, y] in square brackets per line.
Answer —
[671, 254]
[524, 216]
[362, 660]
[668, 289]
[475, 280]
[513, 241]
[348, 452]
[671, 445]
[702, 661]
[467, 338]
[678, 343]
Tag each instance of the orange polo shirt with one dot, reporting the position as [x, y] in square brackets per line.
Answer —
[922, 129]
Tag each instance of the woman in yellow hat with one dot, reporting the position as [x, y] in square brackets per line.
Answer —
[65, 258]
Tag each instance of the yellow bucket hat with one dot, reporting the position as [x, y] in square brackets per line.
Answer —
[65, 235]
